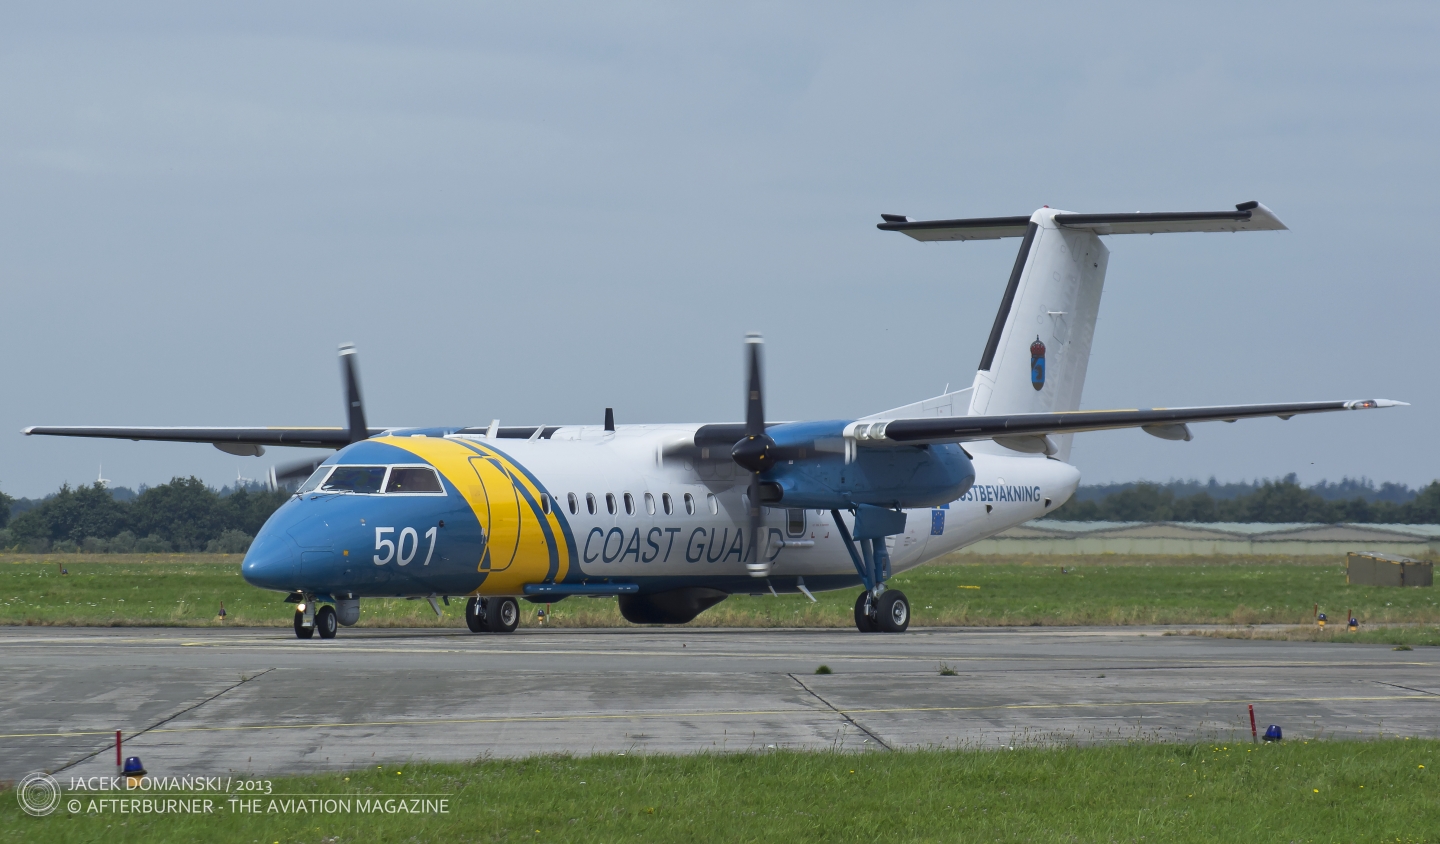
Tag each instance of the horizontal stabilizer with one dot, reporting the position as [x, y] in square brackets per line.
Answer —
[1247, 216]
[969, 428]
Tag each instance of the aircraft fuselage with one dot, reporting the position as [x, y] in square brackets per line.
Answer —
[593, 508]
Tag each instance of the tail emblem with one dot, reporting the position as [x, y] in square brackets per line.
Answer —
[1037, 363]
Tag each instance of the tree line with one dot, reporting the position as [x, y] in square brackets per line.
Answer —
[1282, 500]
[183, 515]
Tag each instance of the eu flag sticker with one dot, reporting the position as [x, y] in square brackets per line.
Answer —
[937, 522]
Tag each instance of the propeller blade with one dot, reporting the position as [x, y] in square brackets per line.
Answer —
[354, 407]
[293, 473]
[753, 453]
[757, 566]
[754, 393]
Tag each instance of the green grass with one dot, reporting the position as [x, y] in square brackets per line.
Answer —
[959, 590]
[1295, 791]
[1398, 635]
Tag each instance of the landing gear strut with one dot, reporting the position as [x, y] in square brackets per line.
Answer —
[877, 609]
[492, 615]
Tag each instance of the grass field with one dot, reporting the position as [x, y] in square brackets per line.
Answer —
[1316, 791]
[960, 590]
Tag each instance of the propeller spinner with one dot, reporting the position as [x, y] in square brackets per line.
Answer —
[754, 454]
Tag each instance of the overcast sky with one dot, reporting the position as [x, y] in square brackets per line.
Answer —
[532, 211]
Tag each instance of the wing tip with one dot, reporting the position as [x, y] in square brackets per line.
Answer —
[1370, 404]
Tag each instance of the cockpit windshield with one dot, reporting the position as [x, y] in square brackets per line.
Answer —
[413, 479]
[355, 479]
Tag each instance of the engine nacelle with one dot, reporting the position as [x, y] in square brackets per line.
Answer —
[811, 471]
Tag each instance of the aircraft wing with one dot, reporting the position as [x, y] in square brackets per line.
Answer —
[1167, 423]
[298, 437]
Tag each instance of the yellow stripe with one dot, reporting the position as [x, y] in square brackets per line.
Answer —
[518, 552]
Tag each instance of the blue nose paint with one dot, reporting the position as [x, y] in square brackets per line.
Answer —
[270, 562]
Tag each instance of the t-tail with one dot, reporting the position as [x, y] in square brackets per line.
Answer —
[1035, 357]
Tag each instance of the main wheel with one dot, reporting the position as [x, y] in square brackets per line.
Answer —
[301, 631]
[863, 622]
[325, 622]
[502, 615]
[893, 612]
[475, 615]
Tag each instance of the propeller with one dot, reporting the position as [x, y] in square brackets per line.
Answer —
[754, 453]
[354, 407]
[354, 417]
[293, 473]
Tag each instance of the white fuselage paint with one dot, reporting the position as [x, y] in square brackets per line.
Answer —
[589, 460]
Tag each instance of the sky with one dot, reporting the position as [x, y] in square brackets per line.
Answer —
[534, 211]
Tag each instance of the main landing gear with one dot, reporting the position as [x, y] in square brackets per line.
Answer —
[492, 615]
[877, 609]
[889, 613]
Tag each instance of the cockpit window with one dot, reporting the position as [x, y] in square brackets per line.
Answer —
[354, 479]
[413, 479]
[314, 480]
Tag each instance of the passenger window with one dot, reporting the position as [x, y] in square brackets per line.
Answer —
[667, 503]
[408, 479]
[795, 522]
[354, 479]
[629, 505]
[713, 502]
[314, 481]
[610, 502]
[574, 504]
[545, 503]
[590, 502]
[649, 504]
[689, 504]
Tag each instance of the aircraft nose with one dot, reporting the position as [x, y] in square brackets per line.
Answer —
[270, 562]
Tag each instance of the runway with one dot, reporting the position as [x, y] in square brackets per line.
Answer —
[259, 701]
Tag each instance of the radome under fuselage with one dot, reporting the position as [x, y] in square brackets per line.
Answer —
[506, 520]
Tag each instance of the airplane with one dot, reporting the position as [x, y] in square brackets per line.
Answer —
[671, 519]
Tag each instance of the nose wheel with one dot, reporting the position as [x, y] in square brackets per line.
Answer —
[303, 630]
[326, 623]
[310, 620]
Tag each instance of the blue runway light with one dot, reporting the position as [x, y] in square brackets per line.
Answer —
[133, 768]
[1272, 732]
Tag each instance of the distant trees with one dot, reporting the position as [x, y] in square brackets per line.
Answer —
[5, 503]
[1281, 500]
[183, 515]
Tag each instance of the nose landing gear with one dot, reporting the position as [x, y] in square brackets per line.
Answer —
[492, 615]
[311, 618]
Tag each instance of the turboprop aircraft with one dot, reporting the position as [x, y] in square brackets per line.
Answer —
[672, 519]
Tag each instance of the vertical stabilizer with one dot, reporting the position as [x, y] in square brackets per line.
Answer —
[1035, 358]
